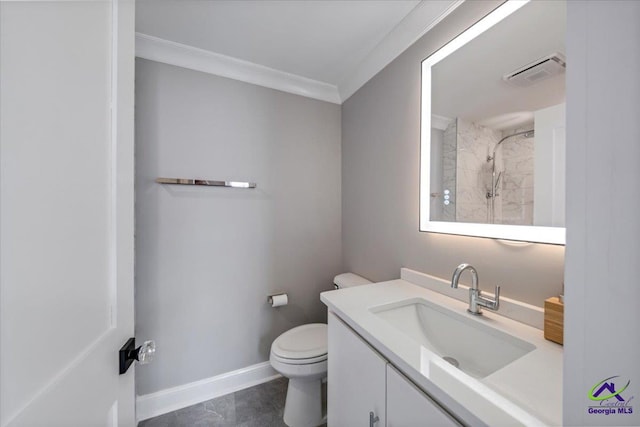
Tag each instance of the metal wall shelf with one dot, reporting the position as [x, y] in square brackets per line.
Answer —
[206, 182]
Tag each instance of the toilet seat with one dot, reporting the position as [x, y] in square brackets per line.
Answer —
[307, 361]
[302, 345]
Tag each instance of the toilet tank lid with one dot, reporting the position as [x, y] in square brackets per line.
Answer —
[347, 280]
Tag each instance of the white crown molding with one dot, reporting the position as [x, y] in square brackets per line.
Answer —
[171, 399]
[168, 52]
[407, 32]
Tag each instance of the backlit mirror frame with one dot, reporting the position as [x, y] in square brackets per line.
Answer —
[538, 234]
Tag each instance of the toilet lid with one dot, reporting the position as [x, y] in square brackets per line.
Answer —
[302, 342]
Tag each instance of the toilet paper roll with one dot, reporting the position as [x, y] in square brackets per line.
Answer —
[278, 300]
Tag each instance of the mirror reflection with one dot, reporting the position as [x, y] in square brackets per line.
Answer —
[498, 123]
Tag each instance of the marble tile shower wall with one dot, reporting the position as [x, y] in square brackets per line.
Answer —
[473, 179]
[466, 174]
[472, 174]
[517, 156]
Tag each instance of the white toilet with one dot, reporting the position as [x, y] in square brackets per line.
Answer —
[300, 354]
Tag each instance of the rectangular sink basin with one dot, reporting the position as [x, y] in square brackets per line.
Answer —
[475, 348]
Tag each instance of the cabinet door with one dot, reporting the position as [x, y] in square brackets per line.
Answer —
[408, 406]
[356, 379]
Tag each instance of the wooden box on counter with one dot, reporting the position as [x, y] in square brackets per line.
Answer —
[554, 320]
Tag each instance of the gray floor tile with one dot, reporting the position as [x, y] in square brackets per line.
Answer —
[256, 401]
[259, 406]
[278, 389]
[166, 420]
[218, 412]
[223, 407]
[265, 420]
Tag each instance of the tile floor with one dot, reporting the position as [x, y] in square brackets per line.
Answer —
[259, 406]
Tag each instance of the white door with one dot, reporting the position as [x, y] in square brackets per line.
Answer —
[66, 212]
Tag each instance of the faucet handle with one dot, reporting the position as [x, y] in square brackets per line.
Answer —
[496, 299]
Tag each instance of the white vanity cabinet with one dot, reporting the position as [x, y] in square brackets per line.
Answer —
[408, 406]
[356, 379]
[361, 382]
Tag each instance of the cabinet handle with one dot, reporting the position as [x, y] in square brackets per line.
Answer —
[373, 419]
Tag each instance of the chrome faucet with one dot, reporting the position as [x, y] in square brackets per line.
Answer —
[476, 300]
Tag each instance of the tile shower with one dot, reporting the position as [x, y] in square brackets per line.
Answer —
[466, 174]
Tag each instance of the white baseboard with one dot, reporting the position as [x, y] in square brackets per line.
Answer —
[171, 399]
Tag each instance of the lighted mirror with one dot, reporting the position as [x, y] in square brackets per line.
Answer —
[493, 127]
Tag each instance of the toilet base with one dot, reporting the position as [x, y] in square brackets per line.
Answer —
[303, 407]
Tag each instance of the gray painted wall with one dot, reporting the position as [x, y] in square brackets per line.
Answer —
[206, 258]
[603, 238]
[380, 200]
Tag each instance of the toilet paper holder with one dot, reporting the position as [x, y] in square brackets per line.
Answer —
[276, 300]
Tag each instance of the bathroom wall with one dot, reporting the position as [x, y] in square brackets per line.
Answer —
[603, 201]
[206, 258]
[380, 197]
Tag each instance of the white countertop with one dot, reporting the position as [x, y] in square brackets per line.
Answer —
[528, 391]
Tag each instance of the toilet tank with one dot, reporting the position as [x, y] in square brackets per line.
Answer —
[348, 280]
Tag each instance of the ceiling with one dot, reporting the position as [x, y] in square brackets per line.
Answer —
[321, 40]
[468, 83]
